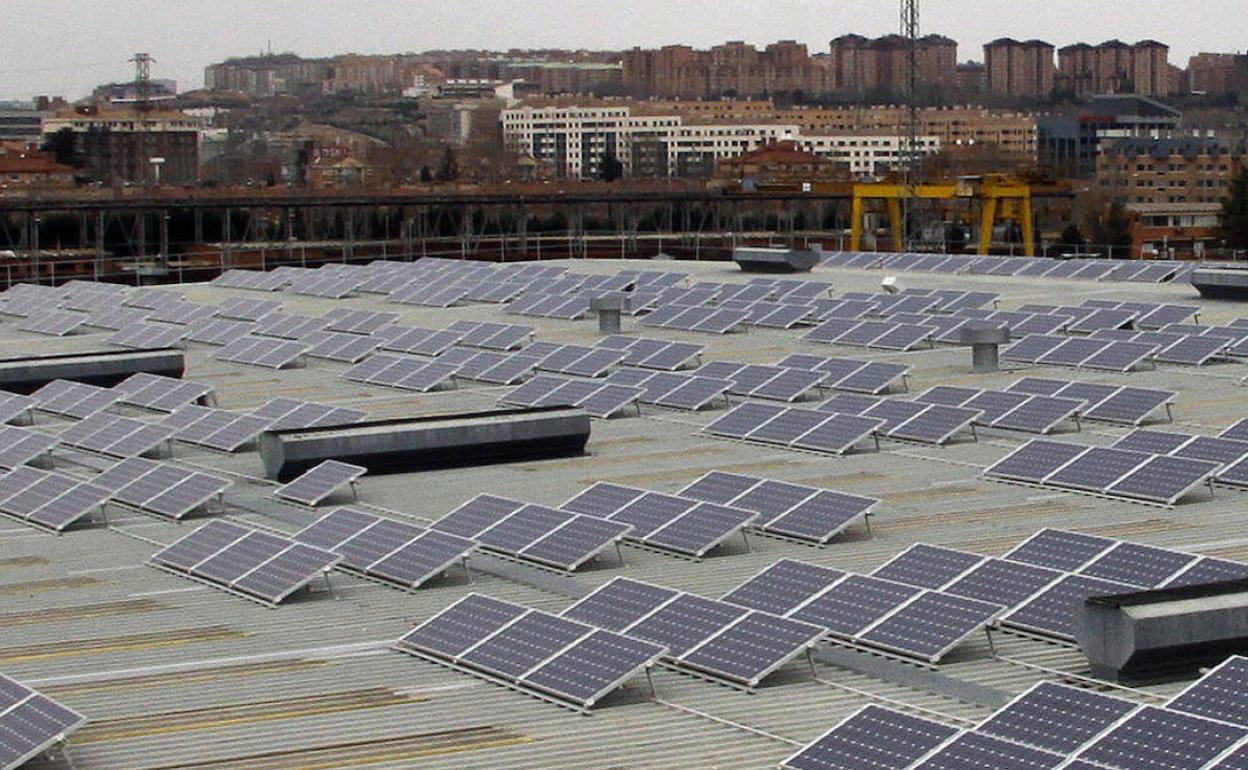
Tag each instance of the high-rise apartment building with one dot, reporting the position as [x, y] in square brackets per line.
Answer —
[1218, 74]
[863, 65]
[1019, 69]
[1115, 67]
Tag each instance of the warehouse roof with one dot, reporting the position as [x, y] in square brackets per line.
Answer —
[172, 673]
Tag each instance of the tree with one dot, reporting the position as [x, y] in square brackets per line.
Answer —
[611, 168]
[1072, 237]
[64, 147]
[426, 176]
[448, 171]
[1235, 213]
[1113, 231]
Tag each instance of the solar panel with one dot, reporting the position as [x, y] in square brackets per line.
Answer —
[1002, 582]
[789, 385]
[1192, 350]
[31, 723]
[783, 586]
[1074, 351]
[931, 625]
[948, 395]
[1060, 550]
[685, 622]
[461, 626]
[821, 517]
[849, 404]
[1035, 461]
[927, 566]
[895, 412]
[1130, 406]
[1056, 717]
[320, 482]
[1038, 414]
[1097, 469]
[575, 543]
[592, 667]
[787, 426]
[619, 604]
[1218, 694]
[1152, 441]
[839, 434]
[934, 425]
[1032, 348]
[1119, 357]
[1138, 565]
[670, 357]
[855, 604]
[874, 738]
[743, 420]
[696, 393]
[970, 750]
[1052, 612]
[1157, 739]
[875, 378]
[720, 487]
[700, 529]
[751, 648]
[1206, 570]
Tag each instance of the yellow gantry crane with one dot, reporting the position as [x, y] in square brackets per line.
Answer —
[999, 196]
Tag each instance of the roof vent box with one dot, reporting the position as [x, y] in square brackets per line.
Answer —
[1169, 633]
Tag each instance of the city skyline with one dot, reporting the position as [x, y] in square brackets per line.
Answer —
[185, 37]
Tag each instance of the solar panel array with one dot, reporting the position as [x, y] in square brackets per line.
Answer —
[395, 553]
[160, 489]
[1136, 476]
[115, 436]
[1051, 725]
[74, 399]
[228, 431]
[19, 446]
[570, 663]
[837, 430]
[1133, 271]
[1102, 403]
[48, 500]
[603, 399]
[1040, 582]
[535, 534]
[681, 524]
[31, 723]
[318, 484]
[712, 638]
[1008, 410]
[918, 622]
[257, 565]
[161, 394]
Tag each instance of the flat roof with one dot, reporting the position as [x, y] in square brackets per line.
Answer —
[175, 674]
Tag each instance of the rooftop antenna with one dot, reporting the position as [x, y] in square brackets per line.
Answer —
[143, 81]
[912, 157]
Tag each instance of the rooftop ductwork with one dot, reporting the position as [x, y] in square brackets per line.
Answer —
[754, 260]
[102, 368]
[446, 441]
[1169, 633]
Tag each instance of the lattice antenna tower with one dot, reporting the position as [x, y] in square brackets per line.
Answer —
[143, 81]
[911, 155]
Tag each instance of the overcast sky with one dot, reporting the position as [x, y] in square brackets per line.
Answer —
[68, 46]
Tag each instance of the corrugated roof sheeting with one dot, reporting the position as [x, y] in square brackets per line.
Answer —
[171, 672]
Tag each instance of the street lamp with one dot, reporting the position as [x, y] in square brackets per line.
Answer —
[157, 163]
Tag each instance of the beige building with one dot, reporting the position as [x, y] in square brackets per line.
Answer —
[1167, 171]
[1019, 69]
[1115, 67]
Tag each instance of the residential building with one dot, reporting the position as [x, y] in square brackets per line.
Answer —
[778, 164]
[575, 140]
[863, 65]
[1115, 67]
[1218, 74]
[125, 147]
[1174, 230]
[31, 169]
[1167, 171]
[21, 124]
[1071, 143]
[1019, 69]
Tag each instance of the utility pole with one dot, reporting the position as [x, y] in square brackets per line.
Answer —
[911, 154]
